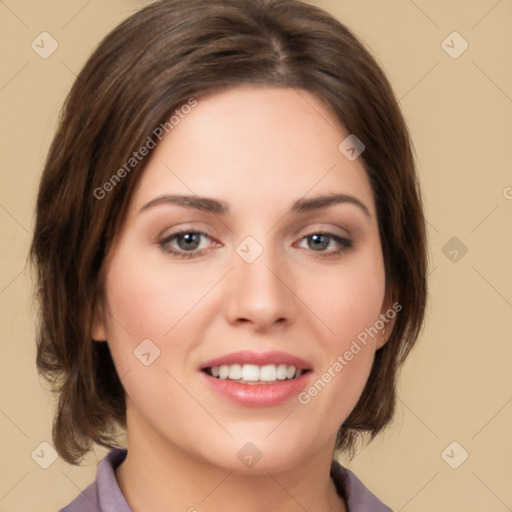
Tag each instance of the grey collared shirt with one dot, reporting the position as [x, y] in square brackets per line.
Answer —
[104, 494]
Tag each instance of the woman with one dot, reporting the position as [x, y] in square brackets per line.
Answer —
[230, 249]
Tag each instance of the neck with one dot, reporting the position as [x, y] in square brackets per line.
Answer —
[159, 475]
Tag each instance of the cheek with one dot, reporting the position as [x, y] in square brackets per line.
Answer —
[350, 298]
[146, 325]
[149, 300]
[350, 305]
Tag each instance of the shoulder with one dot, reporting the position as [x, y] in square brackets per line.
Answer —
[86, 501]
[104, 494]
[356, 495]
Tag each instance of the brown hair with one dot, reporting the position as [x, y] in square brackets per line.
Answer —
[147, 67]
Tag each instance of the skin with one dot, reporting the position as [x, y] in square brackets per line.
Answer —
[259, 150]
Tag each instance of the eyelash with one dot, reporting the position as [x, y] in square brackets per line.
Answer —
[344, 243]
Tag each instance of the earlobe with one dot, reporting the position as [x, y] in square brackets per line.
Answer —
[385, 334]
[99, 327]
[388, 314]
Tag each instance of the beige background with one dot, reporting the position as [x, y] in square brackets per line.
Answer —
[456, 385]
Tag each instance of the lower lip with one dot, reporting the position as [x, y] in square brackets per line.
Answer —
[257, 395]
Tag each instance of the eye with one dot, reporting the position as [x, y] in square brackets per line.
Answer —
[319, 242]
[184, 243]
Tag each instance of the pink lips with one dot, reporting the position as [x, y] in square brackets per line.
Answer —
[257, 395]
[249, 357]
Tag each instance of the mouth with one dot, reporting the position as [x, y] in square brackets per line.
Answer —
[247, 369]
[252, 374]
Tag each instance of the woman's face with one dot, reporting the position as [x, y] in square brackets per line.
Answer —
[229, 265]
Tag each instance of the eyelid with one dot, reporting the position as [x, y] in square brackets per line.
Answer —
[326, 229]
[165, 239]
[345, 243]
[303, 232]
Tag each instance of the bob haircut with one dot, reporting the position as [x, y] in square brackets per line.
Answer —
[153, 63]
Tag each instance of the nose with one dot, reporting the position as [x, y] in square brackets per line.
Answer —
[260, 293]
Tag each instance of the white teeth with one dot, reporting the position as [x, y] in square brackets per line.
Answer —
[235, 372]
[268, 373]
[255, 373]
[281, 371]
[250, 372]
[223, 372]
[290, 372]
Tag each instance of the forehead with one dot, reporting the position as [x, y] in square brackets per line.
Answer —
[252, 145]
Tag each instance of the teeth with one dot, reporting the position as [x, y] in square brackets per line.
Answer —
[250, 372]
[255, 373]
[281, 371]
[235, 372]
[268, 373]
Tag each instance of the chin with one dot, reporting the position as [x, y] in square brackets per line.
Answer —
[259, 454]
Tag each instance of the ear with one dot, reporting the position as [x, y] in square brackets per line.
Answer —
[99, 326]
[390, 310]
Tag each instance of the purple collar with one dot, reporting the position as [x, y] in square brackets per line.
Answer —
[104, 494]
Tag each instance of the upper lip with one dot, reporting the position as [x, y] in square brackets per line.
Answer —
[261, 359]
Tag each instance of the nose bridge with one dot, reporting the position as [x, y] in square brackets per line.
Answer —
[258, 293]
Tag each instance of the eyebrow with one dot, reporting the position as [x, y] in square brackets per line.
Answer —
[221, 207]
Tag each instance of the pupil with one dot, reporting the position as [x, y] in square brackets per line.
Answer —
[191, 241]
[318, 242]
